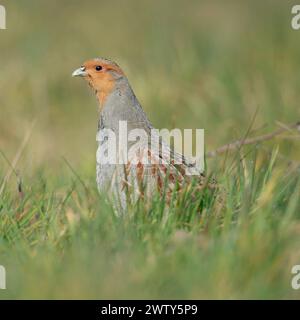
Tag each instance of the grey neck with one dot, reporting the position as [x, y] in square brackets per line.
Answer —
[122, 105]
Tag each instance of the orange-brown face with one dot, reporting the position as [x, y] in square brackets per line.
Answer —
[101, 74]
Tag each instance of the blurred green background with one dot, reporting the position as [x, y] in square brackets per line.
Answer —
[192, 64]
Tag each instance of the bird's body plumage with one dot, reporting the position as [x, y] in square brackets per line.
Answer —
[148, 168]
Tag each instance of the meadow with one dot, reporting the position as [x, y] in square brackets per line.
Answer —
[232, 69]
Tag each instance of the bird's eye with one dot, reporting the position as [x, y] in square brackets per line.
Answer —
[98, 68]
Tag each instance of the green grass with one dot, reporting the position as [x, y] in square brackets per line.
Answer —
[69, 244]
[202, 65]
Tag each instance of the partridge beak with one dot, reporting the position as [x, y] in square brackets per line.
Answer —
[80, 72]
